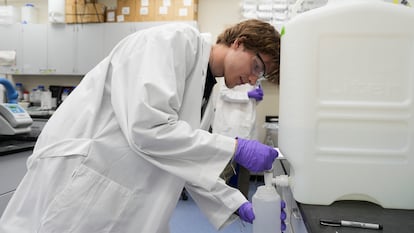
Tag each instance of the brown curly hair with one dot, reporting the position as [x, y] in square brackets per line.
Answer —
[257, 36]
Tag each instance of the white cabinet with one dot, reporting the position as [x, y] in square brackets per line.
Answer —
[10, 39]
[47, 49]
[44, 49]
[4, 200]
[33, 48]
[89, 47]
[12, 170]
[60, 49]
[115, 32]
[63, 49]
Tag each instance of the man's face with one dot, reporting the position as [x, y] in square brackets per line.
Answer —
[243, 66]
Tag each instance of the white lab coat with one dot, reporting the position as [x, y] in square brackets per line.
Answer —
[117, 153]
[235, 112]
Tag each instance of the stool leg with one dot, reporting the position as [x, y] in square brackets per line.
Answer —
[184, 196]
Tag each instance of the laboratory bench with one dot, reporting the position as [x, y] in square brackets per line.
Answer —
[305, 218]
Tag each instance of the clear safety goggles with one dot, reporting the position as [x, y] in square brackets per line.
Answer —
[258, 66]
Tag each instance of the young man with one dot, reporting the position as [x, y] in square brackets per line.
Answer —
[117, 153]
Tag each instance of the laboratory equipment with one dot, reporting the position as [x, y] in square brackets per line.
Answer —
[13, 118]
[346, 103]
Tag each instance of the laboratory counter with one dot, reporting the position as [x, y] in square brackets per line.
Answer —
[391, 220]
[10, 145]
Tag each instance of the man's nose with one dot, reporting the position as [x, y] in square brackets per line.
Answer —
[253, 79]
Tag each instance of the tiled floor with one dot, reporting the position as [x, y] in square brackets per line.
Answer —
[188, 218]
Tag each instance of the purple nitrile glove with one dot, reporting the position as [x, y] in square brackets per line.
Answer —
[256, 93]
[246, 212]
[254, 156]
[282, 215]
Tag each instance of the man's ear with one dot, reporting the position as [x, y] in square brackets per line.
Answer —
[237, 43]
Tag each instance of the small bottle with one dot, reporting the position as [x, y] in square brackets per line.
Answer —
[65, 94]
[38, 95]
[46, 100]
[26, 96]
[266, 207]
[19, 89]
[32, 96]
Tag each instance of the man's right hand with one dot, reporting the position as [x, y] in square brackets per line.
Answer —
[254, 156]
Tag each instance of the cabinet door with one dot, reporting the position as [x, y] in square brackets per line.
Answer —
[4, 200]
[115, 32]
[89, 47]
[34, 46]
[10, 37]
[12, 170]
[61, 48]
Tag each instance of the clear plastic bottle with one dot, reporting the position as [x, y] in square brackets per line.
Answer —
[38, 95]
[266, 207]
[46, 100]
[32, 96]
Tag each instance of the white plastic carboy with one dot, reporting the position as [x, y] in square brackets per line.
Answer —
[346, 111]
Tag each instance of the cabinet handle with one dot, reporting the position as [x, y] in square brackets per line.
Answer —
[47, 71]
[15, 70]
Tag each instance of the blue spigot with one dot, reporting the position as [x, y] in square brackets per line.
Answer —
[11, 93]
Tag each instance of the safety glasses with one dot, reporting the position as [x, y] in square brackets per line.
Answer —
[259, 68]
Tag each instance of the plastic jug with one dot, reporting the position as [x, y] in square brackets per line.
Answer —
[266, 207]
[346, 112]
[56, 11]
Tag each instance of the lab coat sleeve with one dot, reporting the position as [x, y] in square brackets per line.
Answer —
[219, 204]
[150, 74]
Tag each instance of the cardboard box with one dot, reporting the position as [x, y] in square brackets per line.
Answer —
[145, 10]
[110, 15]
[126, 10]
[164, 10]
[156, 10]
[185, 10]
[74, 2]
[85, 13]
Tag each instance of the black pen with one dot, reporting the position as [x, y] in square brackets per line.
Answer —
[344, 223]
